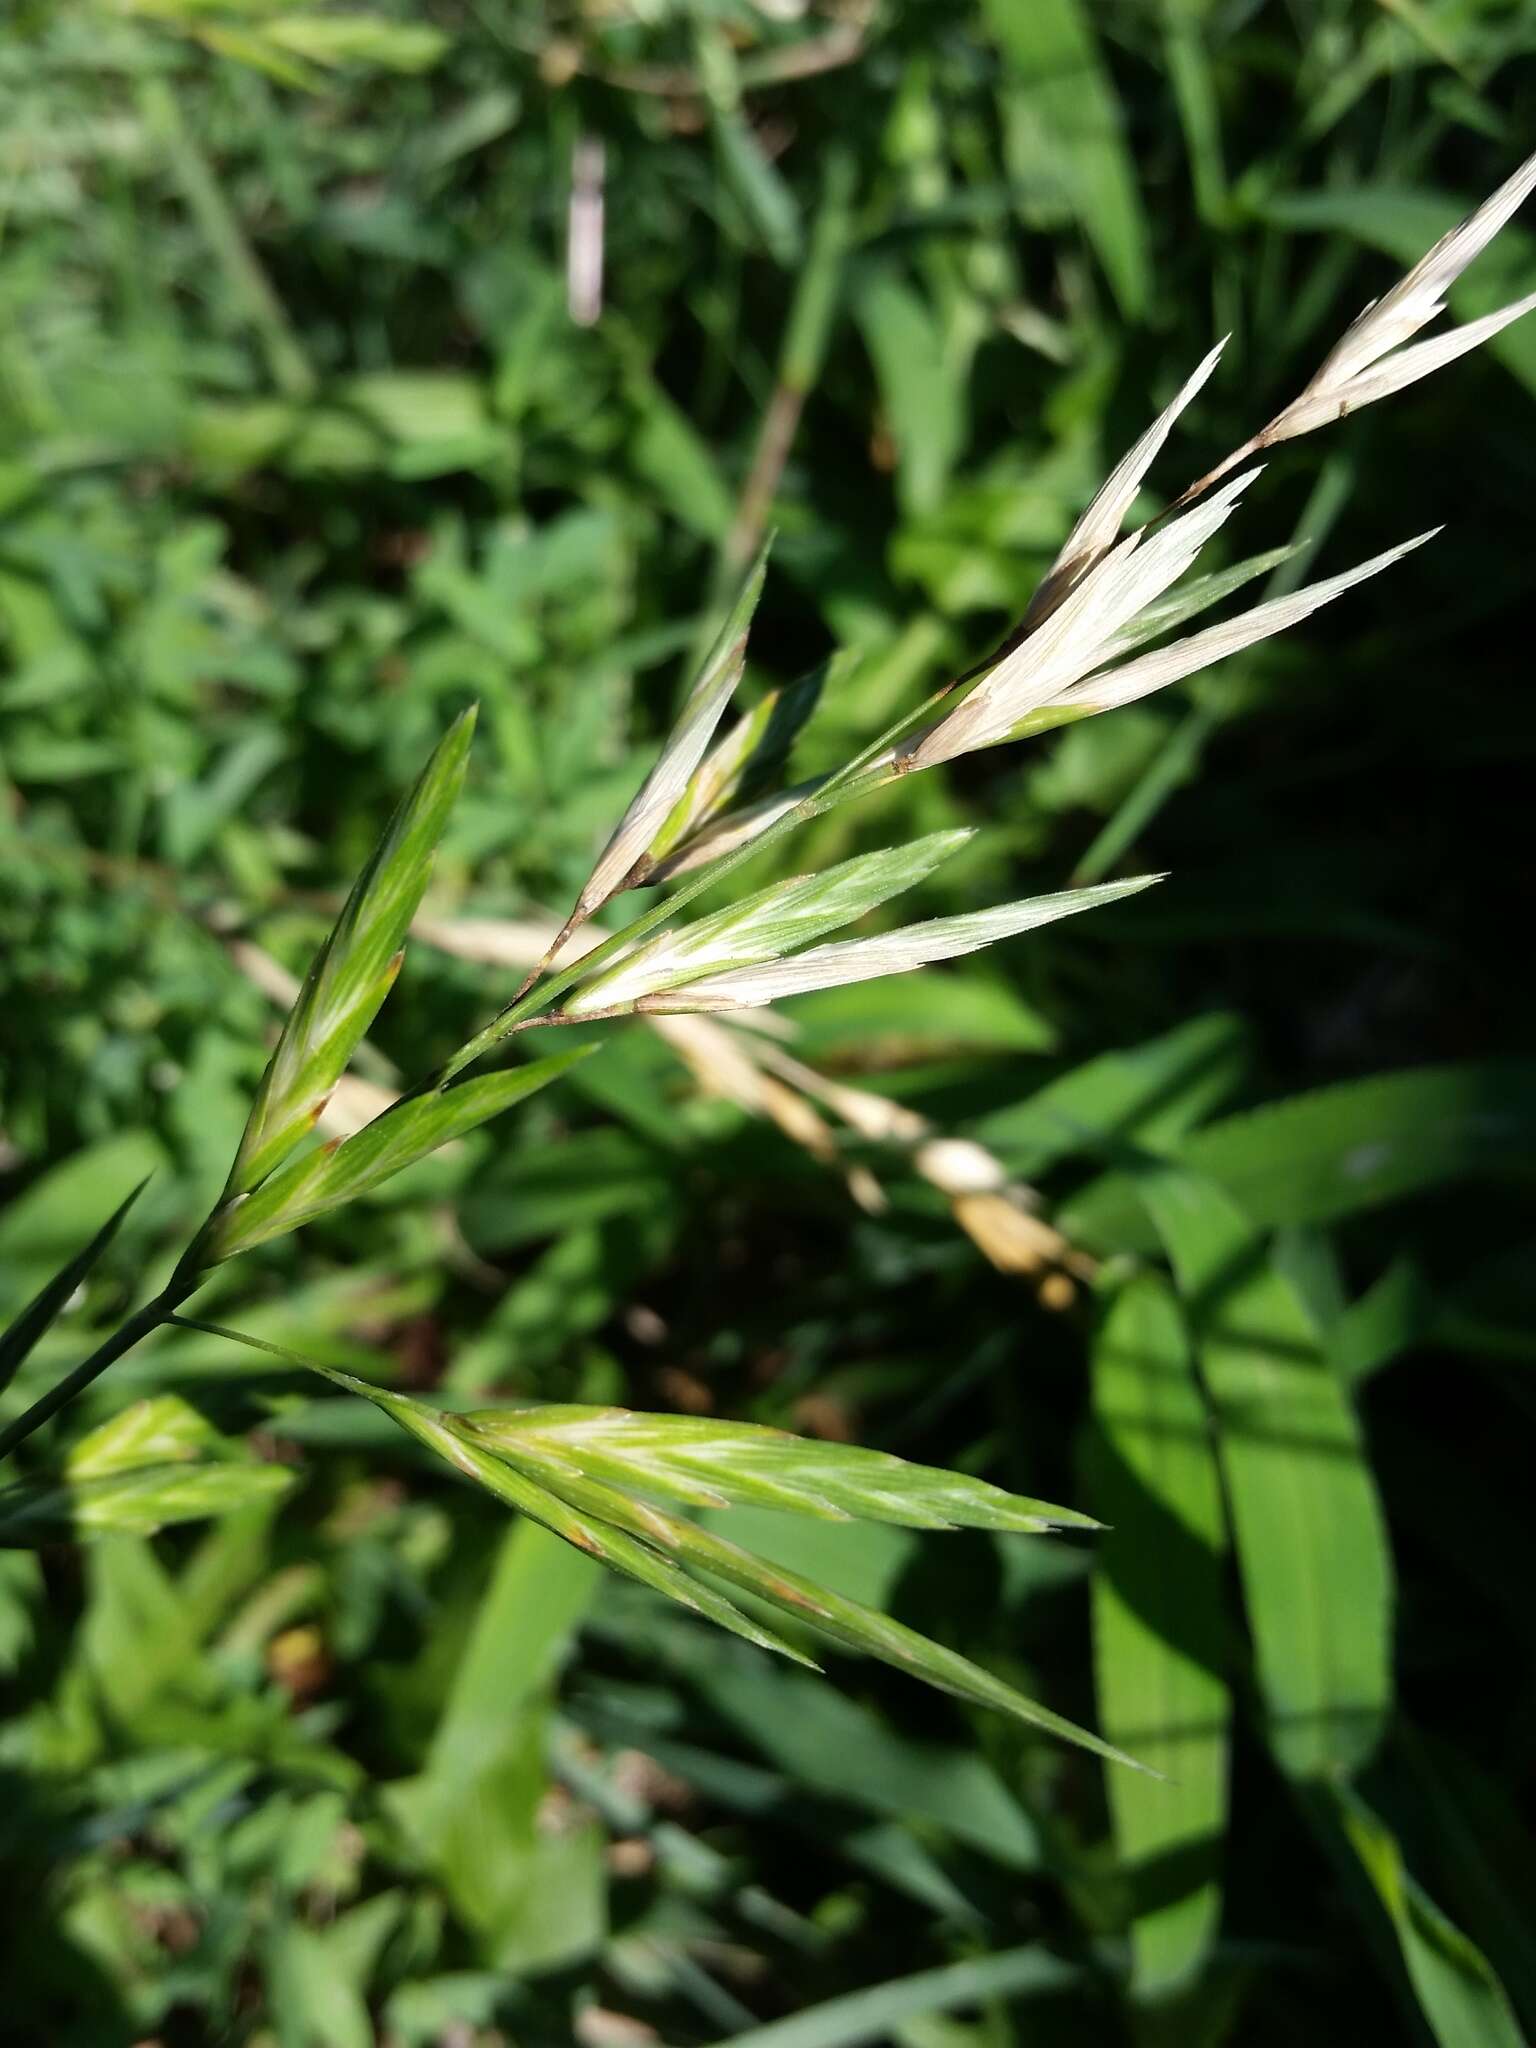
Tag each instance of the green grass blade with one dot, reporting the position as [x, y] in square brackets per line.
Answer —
[1483, 1854]
[354, 970]
[1461, 1999]
[46, 1305]
[136, 1503]
[1066, 131]
[1311, 1546]
[871, 2015]
[1336, 1151]
[1158, 1629]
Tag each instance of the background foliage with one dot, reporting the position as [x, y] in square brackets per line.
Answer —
[303, 451]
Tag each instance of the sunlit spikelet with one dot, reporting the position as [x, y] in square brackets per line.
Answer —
[1369, 360]
[1095, 533]
[898, 952]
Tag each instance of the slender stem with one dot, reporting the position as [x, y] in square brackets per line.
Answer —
[139, 1324]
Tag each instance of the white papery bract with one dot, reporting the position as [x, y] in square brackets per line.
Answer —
[898, 952]
[1078, 635]
[776, 920]
[1095, 533]
[1419, 297]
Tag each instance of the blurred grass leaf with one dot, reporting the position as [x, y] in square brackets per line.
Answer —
[157, 1461]
[1311, 1544]
[44, 1308]
[1066, 133]
[1458, 1994]
[868, 2016]
[1160, 1654]
[1331, 1153]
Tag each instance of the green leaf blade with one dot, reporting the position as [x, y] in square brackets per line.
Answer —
[1158, 1629]
[1306, 1521]
[48, 1303]
[1457, 1991]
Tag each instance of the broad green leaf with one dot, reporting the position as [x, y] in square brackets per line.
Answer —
[353, 971]
[473, 1811]
[825, 1743]
[40, 1313]
[336, 39]
[348, 1167]
[898, 952]
[766, 924]
[1306, 1522]
[1158, 1629]
[524, 1625]
[685, 747]
[311, 2000]
[766, 198]
[705, 1463]
[1336, 1151]
[1149, 1095]
[1458, 1994]
[924, 384]
[861, 2017]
